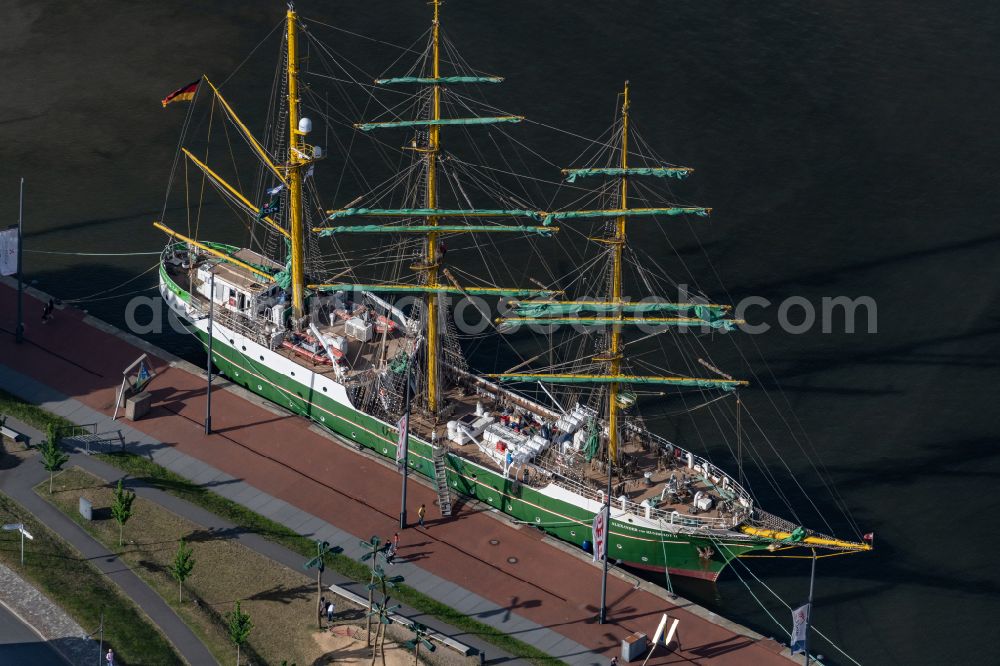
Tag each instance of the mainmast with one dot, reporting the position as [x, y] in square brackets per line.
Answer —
[430, 266]
[296, 159]
[617, 246]
[431, 251]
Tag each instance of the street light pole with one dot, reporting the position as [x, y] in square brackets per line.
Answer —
[100, 650]
[812, 579]
[404, 440]
[19, 330]
[208, 364]
[602, 618]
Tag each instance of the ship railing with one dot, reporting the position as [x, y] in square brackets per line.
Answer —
[255, 329]
[729, 486]
[685, 522]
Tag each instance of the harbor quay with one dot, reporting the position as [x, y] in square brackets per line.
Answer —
[476, 560]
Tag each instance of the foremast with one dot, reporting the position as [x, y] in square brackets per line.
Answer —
[289, 174]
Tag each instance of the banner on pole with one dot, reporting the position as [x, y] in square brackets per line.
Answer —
[800, 618]
[402, 444]
[600, 535]
[8, 251]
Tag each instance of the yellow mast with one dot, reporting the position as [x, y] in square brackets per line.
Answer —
[432, 237]
[296, 158]
[617, 245]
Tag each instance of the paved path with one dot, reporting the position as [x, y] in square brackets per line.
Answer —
[24, 602]
[257, 455]
[259, 544]
[18, 482]
[20, 644]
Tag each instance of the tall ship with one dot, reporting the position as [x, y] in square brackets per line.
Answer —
[341, 313]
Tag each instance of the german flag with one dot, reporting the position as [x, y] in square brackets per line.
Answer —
[184, 94]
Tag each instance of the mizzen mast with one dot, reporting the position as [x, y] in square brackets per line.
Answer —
[612, 313]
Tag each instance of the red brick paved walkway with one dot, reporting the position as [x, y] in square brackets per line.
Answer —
[281, 456]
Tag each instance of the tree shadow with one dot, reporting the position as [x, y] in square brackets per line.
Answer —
[719, 648]
[155, 567]
[514, 604]
[283, 594]
[349, 615]
[215, 534]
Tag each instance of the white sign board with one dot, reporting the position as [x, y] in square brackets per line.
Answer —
[402, 443]
[600, 535]
[8, 251]
[800, 619]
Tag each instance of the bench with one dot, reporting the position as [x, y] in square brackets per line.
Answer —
[14, 435]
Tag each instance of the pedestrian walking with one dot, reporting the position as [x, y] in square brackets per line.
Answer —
[395, 541]
[329, 612]
[614, 661]
[110, 657]
[47, 310]
[421, 512]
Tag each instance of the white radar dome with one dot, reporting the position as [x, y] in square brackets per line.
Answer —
[305, 125]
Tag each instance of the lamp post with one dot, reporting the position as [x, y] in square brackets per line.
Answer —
[208, 364]
[24, 533]
[404, 437]
[19, 330]
[603, 616]
[812, 579]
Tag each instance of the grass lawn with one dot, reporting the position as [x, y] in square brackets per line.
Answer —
[280, 601]
[58, 570]
[162, 478]
[11, 405]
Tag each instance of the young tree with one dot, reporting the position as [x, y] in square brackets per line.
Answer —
[240, 627]
[121, 508]
[53, 457]
[420, 633]
[181, 567]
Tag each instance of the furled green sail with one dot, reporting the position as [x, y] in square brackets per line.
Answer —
[529, 309]
[538, 216]
[719, 324]
[365, 127]
[377, 228]
[417, 288]
[725, 384]
[440, 79]
[659, 172]
[627, 212]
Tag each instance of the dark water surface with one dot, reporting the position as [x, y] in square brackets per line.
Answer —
[847, 149]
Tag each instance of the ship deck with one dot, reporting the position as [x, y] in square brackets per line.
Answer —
[632, 482]
[643, 474]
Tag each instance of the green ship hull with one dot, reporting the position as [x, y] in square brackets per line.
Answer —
[630, 543]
